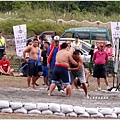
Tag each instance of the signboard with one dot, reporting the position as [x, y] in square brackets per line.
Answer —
[115, 29]
[20, 34]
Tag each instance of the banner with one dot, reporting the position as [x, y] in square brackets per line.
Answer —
[115, 30]
[20, 34]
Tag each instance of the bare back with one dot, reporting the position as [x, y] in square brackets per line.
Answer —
[64, 57]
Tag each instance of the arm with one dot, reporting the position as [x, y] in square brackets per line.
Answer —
[24, 52]
[94, 57]
[2, 71]
[72, 60]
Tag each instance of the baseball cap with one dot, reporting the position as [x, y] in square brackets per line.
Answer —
[102, 45]
[76, 37]
[0, 31]
[57, 38]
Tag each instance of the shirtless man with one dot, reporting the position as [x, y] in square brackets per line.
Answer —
[63, 58]
[78, 72]
[33, 62]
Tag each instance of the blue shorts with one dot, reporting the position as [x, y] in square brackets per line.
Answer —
[100, 71]
[32, 68]
[45, 71]
[61, 73]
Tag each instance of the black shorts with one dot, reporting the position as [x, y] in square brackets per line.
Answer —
[40, 70]
[100, 71]
[32, 68]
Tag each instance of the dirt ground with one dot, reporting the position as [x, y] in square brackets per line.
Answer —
[15, 89]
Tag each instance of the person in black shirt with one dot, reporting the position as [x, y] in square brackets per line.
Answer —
[44, 63]
[91, 61]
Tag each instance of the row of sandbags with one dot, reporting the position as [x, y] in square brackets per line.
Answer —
[58, 109]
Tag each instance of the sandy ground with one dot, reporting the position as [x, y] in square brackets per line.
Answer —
[15, 89]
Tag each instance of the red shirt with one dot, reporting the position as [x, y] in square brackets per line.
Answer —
[100, 58]
[5, 64]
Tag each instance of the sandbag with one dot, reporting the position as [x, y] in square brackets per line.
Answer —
[91, 111]
[66, 108]
[29, 106]
[6, 110]
[72, 114]
[42, 106]
[106, 111]
[85, 114]
[16, 105]
[78, 109]
[116, 110]
[34, 112]
[113, 115]
[59, 114]
[21, 110]
[47, 112]
[4, 104]
[54, 107]
[100, 115]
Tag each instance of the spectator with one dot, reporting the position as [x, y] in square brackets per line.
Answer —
[91, 61]
[110, 64]
[76, 44]
[32, 62]
[100, 58]
[44, 63]
[2, 44]
[71, 49]
[5, 66]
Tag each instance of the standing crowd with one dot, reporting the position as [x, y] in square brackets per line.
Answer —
[60, 65]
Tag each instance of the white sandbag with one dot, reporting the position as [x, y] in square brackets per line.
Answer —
[91, 111]
[113, 115]
[21, 110]
[116, 110]
[100, 115]
[16, 105]
[34, 112]
[78, 109]
[106, 111]
[42, 106]
[54, 107]
[29, 106]
[66, 108]
[72, 114]
[6, 110]
[59, 114]
[47, 112]
[118, 115]
[85, 114]
[4, 104]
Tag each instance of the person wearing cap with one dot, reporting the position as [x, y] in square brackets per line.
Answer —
[2, 44]
[100, 58]
[110, 64]
[76, 44]
[51, 53]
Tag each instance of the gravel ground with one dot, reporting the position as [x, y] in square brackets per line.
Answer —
[97, 98]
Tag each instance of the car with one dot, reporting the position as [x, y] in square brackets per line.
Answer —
[84, 50]
[90, 35]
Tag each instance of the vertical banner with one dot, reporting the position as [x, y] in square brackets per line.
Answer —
[115, 30]
[20, 34]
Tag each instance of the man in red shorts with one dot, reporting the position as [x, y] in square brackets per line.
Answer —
[5, 66]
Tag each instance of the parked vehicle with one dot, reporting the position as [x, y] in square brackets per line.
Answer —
[84, 50]
[90, 35]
